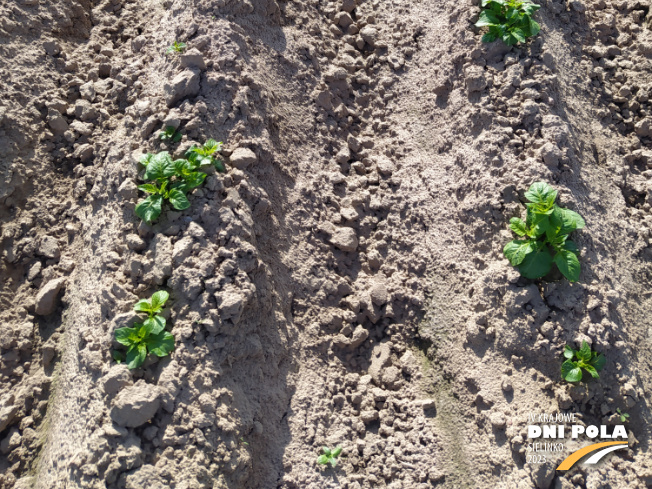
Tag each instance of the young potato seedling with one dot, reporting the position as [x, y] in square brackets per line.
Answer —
[170, 135]
[624, 417]
[170, 180]
[203, 155]
[146, 337]
[329, 456]
[508, 20]
[545, 232]
[176, 47]
[582, 359]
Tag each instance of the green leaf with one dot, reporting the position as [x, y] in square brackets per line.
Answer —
[534, 26]
[219, 165]
[337, 451]
[536, 264]
[149, 188]
[160, 167]
[572, 219]
[193, 150]
[489, 37]
[571, 372]
[509, 39]
[538, 223]
[155, 324]
[118, 356]
[145, 159]
[569, 352]
[570, 246]
[599, 361]
[211, 146]
[518, 226]
[327, 451]
[518, 34]
[160, 344]
[590, 369]
[182, 167]
[136, 356]
[487, 18]
[322, 459]
[516, 251]
[159, 299]
[123, 335]
[541, 225]
[333, 462]
[150, 208]
[584, 353]
[565, 220]
[205, 160]
[178, 199]
[568, 264]
[146, 328]
[541, 193]
[143, 305]
[193, 180]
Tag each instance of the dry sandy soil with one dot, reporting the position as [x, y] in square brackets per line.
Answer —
[343, 282]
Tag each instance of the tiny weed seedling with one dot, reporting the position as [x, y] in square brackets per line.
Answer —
[582, 359]
[624, 417]
[146, 337]
[170, 135]
[176, 48]
[509, 20]
[170, 180]
[546, 229]
[329, 456]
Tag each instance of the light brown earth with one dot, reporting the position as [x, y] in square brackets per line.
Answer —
[348, 286]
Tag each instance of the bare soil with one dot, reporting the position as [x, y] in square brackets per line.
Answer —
[347, 287]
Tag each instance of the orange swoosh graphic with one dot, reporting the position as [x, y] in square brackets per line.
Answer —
[575, 456]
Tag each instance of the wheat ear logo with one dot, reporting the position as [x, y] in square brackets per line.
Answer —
[598, 450]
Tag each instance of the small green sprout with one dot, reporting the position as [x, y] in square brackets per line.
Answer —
[146, 337]
[170, 135]
[329, 456]
[242, 440]
[203, 155]
[546, 229]
[176, 47]
[509, 20]
[591, 361]
[624, 417]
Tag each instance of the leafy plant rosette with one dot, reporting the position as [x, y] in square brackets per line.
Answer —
[146, 337]
[170, 135]
[509, 20]
[176, 47]
[170, 180]
[579, 360]
[329, 456]
[545, 232]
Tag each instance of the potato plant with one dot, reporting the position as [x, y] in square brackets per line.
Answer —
[508, 20]
[545, 232]
[329, 456]
[170, 180]
[146, 337]
[170, 135]
[176, 47]
[581, 360]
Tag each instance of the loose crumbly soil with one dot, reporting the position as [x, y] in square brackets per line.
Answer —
[344, 286]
